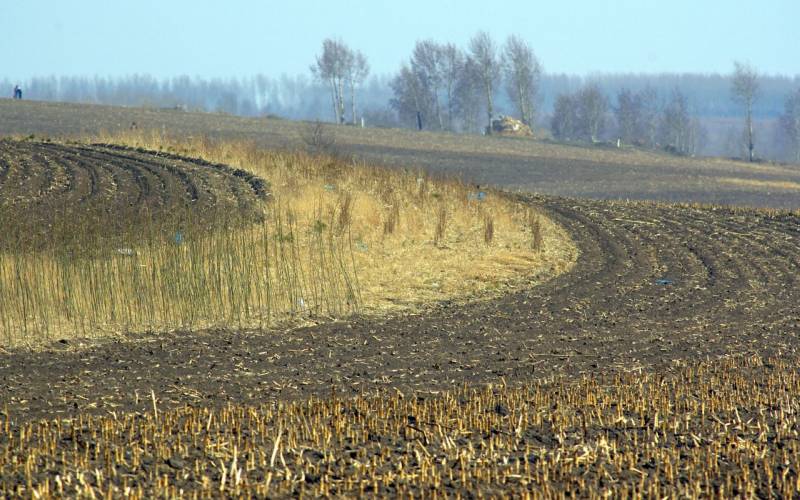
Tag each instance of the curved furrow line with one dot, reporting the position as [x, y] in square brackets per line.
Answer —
[170, 176]
[87, 191]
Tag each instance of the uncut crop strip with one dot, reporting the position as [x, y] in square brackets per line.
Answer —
[131, 242]
[725, 428]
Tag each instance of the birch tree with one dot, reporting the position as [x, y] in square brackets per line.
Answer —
[357, 72]
[483, 53]
[522, 73]
[628, 112]
[332, 67]
[409, 97]
[426, 61]
[790, 122]
[452, 61]
[745, 91]
[592, 108]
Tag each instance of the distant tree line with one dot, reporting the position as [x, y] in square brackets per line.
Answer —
[637, 118]
[445, 87]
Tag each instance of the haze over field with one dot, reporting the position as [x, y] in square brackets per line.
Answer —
[254, 59]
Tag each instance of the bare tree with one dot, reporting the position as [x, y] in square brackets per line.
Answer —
[452, 66]
[680, 132]
[483, 53]
[581, 115]
[522, 74]
[628, 112]
[410, 99]
[564, 121]
[592, 107]
[745, 90]
[357, 72]
[650, 113]
[426, 62]
[332, 67]
[317, 138]
[790, 122]
[468, 97]
[428, 79]
[675, 123]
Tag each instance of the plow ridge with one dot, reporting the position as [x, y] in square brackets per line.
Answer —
[46, 185]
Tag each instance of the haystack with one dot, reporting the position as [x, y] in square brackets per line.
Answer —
[507, 125]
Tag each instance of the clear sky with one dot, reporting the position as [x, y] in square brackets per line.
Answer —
[240, 38]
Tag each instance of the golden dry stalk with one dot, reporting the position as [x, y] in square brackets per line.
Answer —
[721, 429]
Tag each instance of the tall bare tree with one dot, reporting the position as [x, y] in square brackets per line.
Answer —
[676, 124]
[680, 132]
[483, 53]
[592, 109]
[522, 73]
[564, 122]
[468, 97]
[650, 113]
[628, 112]
[790, 122]
[427, 84]
[745, 90]
[357, 72]
[426, 61]
[452, 61]
[332, 67]
[410, 97]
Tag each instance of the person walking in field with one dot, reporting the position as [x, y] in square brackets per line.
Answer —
[17, 92]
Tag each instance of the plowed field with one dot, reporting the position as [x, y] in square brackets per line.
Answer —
[51, 192]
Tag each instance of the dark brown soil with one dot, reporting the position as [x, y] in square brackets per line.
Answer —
[653, 284]
[52, 193]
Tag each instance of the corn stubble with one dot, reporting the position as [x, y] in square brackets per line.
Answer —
[714, 429]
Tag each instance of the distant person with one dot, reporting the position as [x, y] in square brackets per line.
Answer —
[17, 92]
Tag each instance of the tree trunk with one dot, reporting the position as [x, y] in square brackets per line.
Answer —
[341, 101]
[449, 107]
[750, 146]
[335, 103]
[438, 110]
[353, 100]
[489, 108]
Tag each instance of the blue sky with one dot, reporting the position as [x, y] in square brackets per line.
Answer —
[240, 38]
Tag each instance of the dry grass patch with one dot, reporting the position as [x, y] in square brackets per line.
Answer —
[332, 237]
[414, 239]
